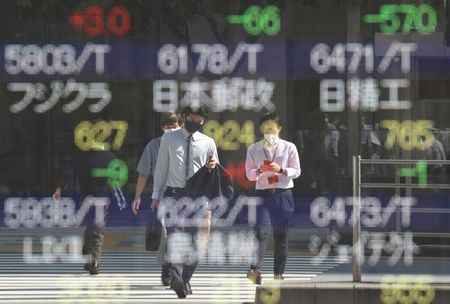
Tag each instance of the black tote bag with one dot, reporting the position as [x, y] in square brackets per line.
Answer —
[153, 232]
[211, 183]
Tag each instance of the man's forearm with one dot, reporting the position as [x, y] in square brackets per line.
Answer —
[140, 186]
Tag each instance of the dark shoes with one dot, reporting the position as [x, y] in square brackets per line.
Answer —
[92, 268]
[254, 275]
[165, 275]
[165, 281]
[179, 288]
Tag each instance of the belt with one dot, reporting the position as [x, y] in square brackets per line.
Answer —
[274, 190]
[174, 190]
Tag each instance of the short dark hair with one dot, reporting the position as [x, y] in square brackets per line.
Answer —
[202, 111]
[270, 116]
[168, 118]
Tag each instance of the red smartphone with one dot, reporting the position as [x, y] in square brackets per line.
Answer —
[267, 162]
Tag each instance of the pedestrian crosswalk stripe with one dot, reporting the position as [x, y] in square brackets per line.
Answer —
[135, 278]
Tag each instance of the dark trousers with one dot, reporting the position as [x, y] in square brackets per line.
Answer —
[180, 272]
[94, 235]
[273, 216]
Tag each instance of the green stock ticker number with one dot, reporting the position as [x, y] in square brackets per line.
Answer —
[116, 172]
[419, 171]
[257, 20]
[403, 18]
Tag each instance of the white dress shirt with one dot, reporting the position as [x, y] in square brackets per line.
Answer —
[171, 164]
[285, 154]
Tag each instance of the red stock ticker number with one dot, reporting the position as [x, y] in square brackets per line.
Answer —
[92, 21]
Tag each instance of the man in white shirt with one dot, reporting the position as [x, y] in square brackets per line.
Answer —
[181, 154]
[273, 163]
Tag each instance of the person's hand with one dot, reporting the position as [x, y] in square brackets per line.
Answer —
[211, 164]
[154, 205]
[135, 205]
[274, 167]
[57, 194]
[264, 167]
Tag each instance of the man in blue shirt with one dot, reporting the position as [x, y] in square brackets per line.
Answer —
[169, 122]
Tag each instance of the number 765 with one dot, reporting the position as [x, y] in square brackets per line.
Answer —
[408, 134]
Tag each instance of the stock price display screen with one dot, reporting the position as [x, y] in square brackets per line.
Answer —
[84, 84]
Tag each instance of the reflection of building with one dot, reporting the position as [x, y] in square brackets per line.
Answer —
[324, 155]
[320, 161]
[363, 73]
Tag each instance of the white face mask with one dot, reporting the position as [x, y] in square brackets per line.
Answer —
[170, 130]
[271, 139]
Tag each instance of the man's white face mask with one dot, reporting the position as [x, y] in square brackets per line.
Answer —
[170, 130]
[271, 139]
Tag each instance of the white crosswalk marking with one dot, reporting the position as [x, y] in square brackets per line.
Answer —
[135, 278]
